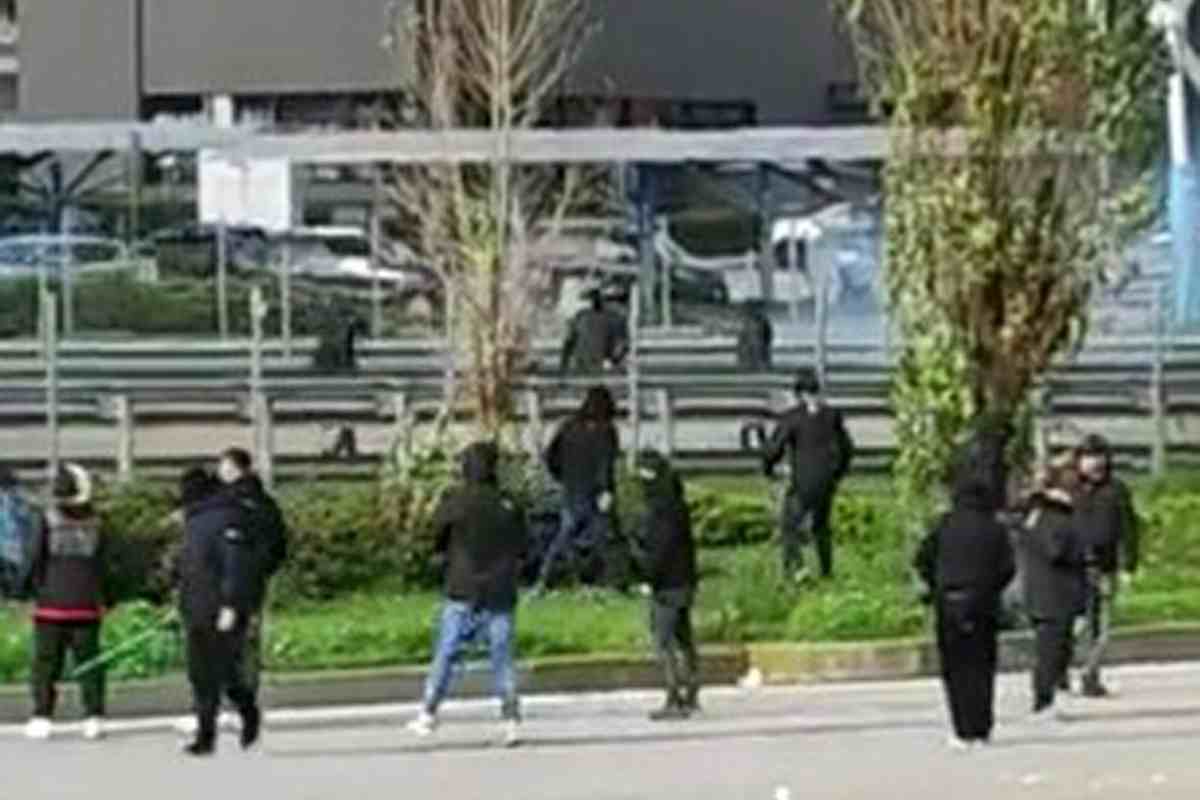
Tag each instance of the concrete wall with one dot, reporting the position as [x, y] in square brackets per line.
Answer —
[268, 46]
[78, 59]
[781, 54]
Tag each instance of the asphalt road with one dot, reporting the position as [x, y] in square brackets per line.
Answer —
[855, 741]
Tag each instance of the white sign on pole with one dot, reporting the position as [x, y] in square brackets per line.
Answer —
[257, 192]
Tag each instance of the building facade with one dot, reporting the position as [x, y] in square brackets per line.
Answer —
[301, 62]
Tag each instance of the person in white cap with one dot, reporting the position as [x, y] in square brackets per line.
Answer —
[68, 579]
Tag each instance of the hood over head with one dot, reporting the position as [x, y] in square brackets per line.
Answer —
[658, 478]
[72, 486]
[480, 463]
[598, 405]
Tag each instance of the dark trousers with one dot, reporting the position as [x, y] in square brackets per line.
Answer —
[585, 547]
[967, 647]
[674, 644]
[1054, 643]
[51, 642]
[215, 667]
[806, 514]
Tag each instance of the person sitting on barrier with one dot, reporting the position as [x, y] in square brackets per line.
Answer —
[582, 458]
[668, 564]
[596, 338]
[755, 338]
[814, 436]
[69, 588]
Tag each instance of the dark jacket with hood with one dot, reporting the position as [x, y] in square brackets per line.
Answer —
[1109, 526]
[819, 445]
[266, 526]
[482, 535]
[582, 456]
[967, 560]
[218, 564]
[595, 335]
[68, 567]
[1053, 556]
[668, 549]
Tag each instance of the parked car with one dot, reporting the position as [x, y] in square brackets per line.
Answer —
[191, 249]
[29, 256]
[342, 256]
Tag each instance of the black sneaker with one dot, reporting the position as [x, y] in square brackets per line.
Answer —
[251, 727]
[200, 747]
[1095, 690]
[672, 710]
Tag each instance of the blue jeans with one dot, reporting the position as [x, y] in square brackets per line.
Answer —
[461, 623]
[580, 527]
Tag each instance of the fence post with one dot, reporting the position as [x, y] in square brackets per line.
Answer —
[123, 411]
[223, 279]
[259, 407]
[400, 411]
[50, 348]
[666, 418]
[635, 405]
[265, 457]
[534, 427]
[822, 265]
[1158, 391]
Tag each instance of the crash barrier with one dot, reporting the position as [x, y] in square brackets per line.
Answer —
[1142, 396]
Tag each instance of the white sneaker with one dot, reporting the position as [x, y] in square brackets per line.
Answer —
[424, 725]
[39, 729]
[187, 726]
[511, 734]
[93, 729]
[229, 722]
[958, 745]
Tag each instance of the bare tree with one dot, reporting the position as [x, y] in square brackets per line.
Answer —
[494, 64]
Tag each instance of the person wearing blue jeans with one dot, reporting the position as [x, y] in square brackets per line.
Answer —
[582, 459]
[482, 536]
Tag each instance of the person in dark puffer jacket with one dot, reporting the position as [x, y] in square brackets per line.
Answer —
[69, 586]
[668, 560]
[217, 591]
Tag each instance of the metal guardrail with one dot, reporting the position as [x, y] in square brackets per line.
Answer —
[680, 381]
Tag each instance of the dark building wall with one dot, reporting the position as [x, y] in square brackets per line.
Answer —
[78, 59]
[266, 46]
[781, 54]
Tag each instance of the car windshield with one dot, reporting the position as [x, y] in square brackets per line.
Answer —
[347, 246]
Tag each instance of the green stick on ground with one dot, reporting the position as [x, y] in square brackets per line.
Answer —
[106, 657]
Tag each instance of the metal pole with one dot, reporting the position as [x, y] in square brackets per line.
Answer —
[648, 266]
[135, 190]
[50, 315]
[66, 280]
[793, 256]
[223, 278]
[376, 242]
[258, 310]
[766, 252]
[821, 265]
[635, 406]
[1159, 390]
[285, 300]
[668, 316]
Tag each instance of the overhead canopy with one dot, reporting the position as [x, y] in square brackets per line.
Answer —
[576, 145]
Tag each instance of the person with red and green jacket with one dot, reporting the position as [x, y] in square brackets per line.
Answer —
[69, 591]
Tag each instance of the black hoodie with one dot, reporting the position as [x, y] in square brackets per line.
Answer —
[668, 548]
[482, 534]
[267, 529]
[969, 552]
[583, 454]
[1053, 556]
[218, 566]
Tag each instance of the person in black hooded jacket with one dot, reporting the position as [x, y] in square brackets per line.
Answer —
[966, 562]
[596, 338]
[582, 458]
[483, 538]
[1053, 565]
[668, 561]
[218, 581]
[814, 436]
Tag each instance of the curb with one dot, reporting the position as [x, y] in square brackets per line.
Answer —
[772, 664]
